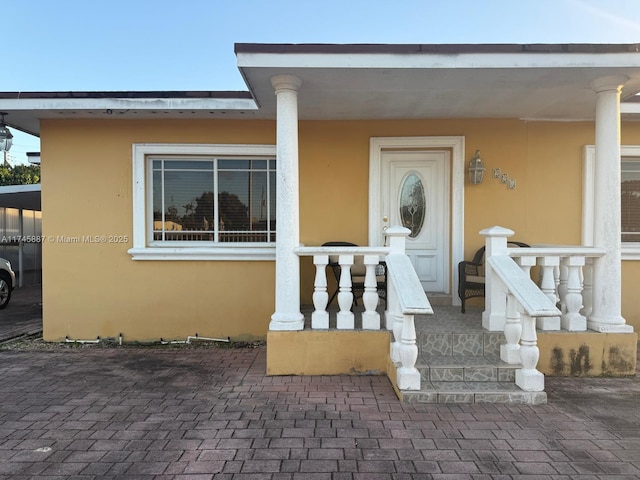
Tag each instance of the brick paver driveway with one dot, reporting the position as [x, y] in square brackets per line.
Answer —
[90, 413]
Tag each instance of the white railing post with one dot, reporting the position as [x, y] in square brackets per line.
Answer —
[345, 318]
[494, 315]
[528, 378]
[393, 317]
[510, 351]
[320, 316]
[370, 317]
[572, 320]
[548, 286]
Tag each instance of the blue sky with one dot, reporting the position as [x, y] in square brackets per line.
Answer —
[62, 45]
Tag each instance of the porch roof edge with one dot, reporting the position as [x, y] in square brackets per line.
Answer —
[373, 48]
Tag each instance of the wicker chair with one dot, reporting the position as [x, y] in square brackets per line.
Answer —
[358, 271]
[471, 279]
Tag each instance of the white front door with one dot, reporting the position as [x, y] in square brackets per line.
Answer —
[414, 193]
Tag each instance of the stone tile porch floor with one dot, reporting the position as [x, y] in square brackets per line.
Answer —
[185, 413]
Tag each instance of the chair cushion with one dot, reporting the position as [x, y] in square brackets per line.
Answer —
[475, 279]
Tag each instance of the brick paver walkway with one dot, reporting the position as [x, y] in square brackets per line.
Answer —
[94, 413]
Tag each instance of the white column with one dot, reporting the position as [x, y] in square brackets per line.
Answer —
[607, 293]
[287, 315]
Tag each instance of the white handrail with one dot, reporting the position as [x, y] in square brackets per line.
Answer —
[533, 301]
[411, 297]
[520, 329]
[304, 251]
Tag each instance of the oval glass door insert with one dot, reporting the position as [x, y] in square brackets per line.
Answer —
[412, 204]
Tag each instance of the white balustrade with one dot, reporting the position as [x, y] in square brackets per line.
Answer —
[345, 318]
[514, 301]
[404, 299]
[409, 300]
[566, 277]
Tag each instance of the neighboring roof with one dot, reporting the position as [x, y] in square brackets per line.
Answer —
[373, 81]
[21, 196]
[26, 109]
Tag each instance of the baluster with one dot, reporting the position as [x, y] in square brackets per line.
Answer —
[370, 317]
[407, 374]
[345, 318]
[525, 264]
[320, 316]
[528, 378]
[571, 319]
[587, 289]
[562, 286]
[548, 287]
[510, 352]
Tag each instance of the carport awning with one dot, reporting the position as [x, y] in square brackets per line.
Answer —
[26, 197]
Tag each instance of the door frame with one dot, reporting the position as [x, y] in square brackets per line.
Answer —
[454, 143]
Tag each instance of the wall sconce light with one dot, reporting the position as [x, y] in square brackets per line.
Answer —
[476, 169]
[6, 139]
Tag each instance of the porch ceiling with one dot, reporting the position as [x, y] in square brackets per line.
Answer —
[534, 82]
[537, 82]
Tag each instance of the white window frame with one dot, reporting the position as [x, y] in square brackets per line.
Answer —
[142, 250]
[629, 250]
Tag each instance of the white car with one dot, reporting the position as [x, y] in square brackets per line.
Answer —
[7, 282]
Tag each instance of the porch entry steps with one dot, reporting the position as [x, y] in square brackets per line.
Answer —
[459, 362]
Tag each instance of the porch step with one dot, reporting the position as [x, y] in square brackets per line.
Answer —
[466, 369]
[473, 392]
[462, 379]
[459, 362]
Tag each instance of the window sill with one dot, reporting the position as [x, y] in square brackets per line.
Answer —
[254, 253]
[631, 252]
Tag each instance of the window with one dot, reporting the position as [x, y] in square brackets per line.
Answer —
[630, 204]
[204, 202]
[630, 199]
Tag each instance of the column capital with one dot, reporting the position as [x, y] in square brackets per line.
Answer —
[286, 82]
[609, 83]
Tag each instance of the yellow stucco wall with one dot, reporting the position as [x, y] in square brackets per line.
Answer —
[96, 289]
[325, 352]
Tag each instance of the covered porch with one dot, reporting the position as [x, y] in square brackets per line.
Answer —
[579, 289]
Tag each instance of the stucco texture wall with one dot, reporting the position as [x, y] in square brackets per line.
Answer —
[91, 289]
[545, 159]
